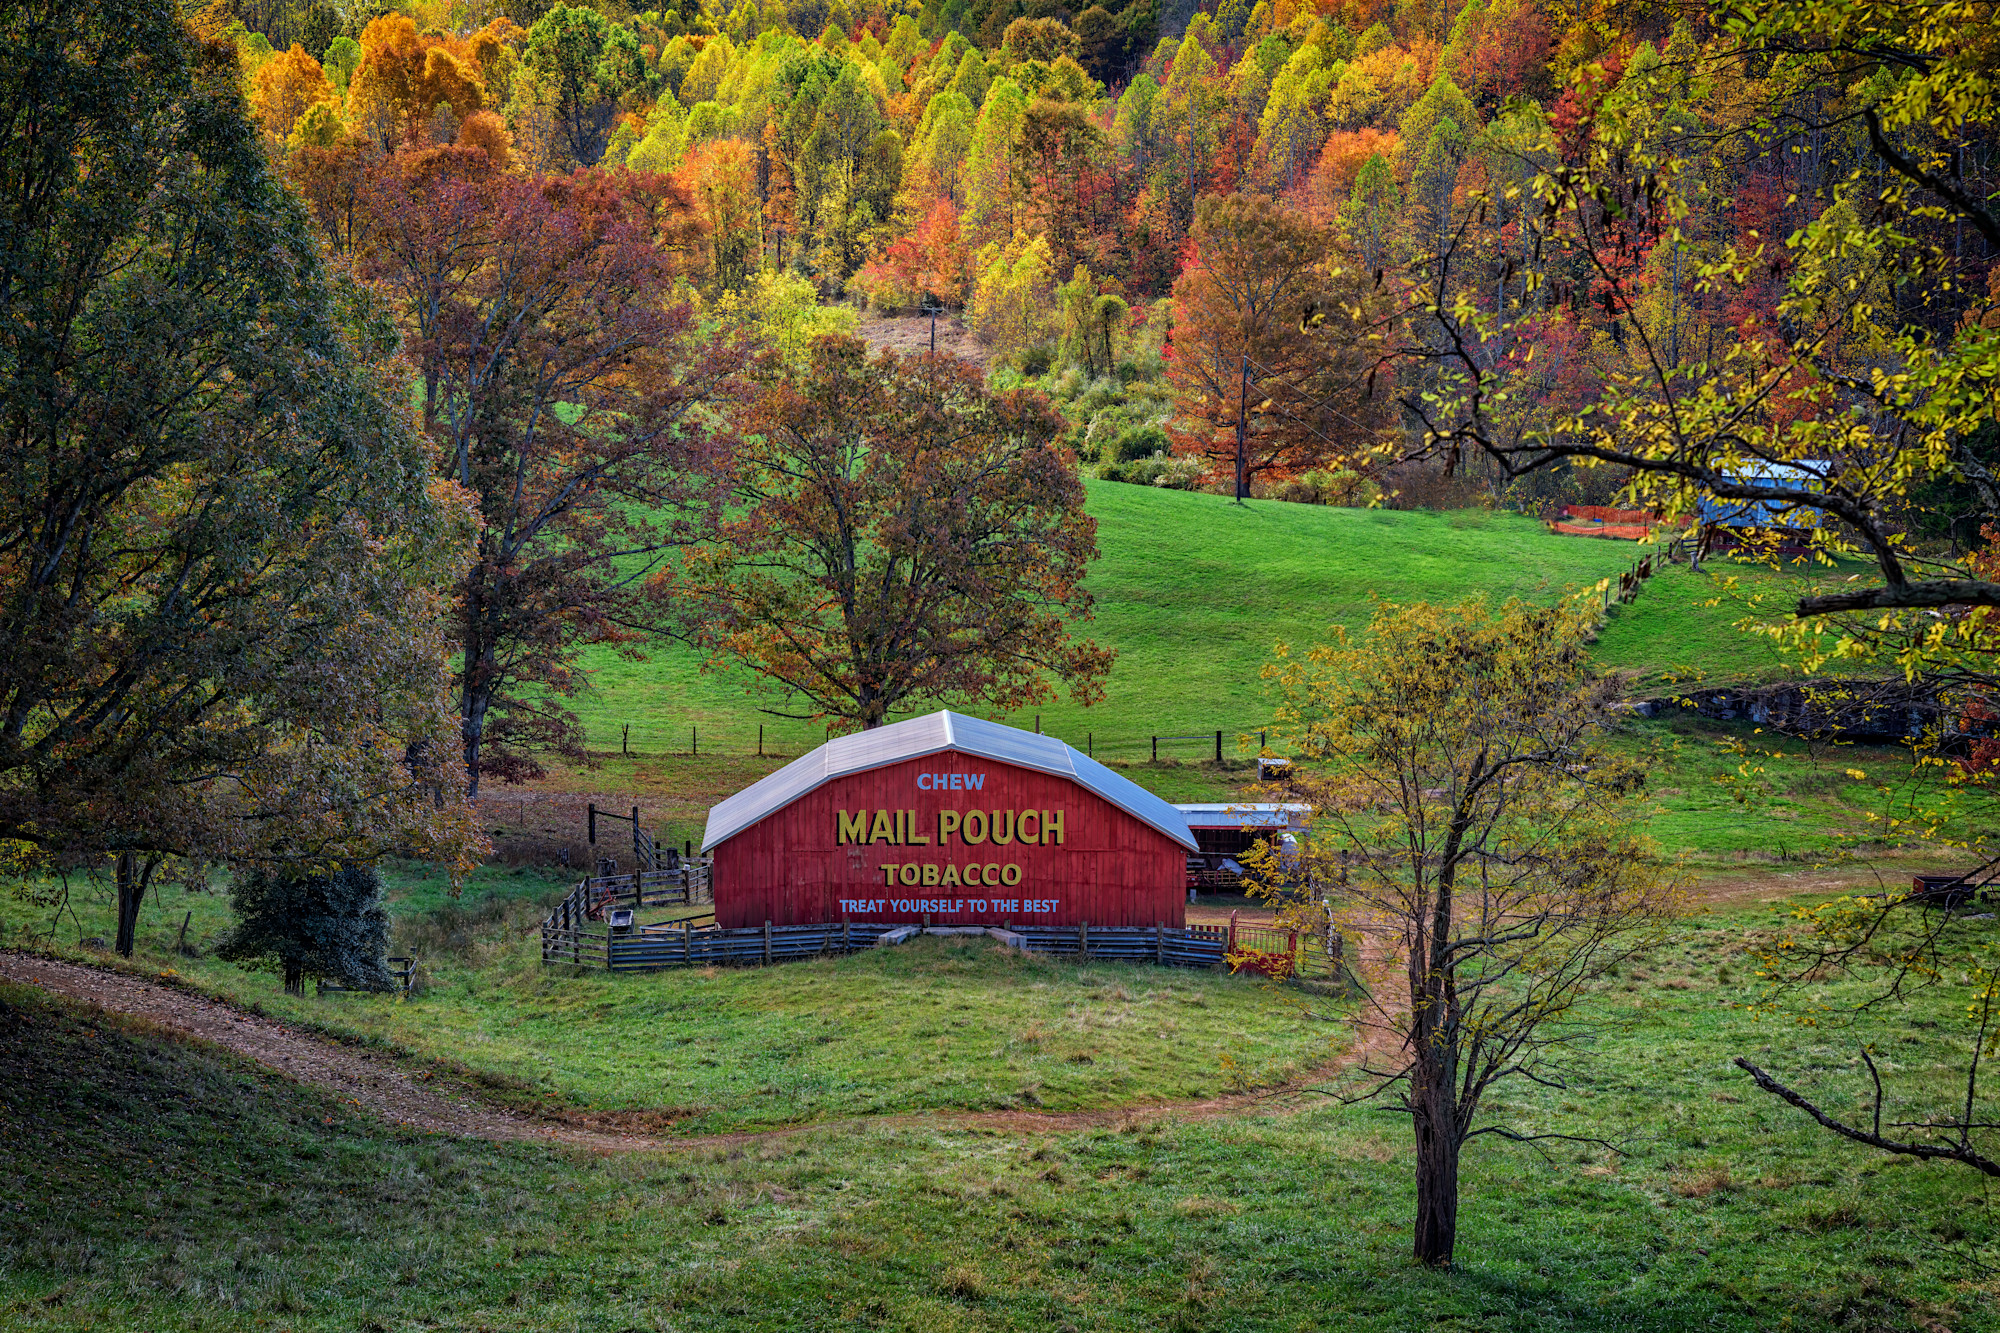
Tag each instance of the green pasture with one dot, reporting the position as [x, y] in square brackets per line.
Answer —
[1192, 590]
[153, 1183]
[906, 1030]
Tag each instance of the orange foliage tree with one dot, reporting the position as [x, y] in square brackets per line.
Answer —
[403, 77]
[288, 84]
[900, 536]
[1271, 348]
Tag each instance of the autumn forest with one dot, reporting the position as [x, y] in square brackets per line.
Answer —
[1546, 448]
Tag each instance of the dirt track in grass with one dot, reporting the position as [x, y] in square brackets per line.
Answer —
[410, 1098]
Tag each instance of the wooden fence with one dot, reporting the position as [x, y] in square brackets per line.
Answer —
[578, 930]
[1311, 955]
[566, 940]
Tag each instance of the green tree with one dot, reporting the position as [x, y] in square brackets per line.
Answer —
[587, 63]
[342, 57]
[1293, 125]
[666, 138]
[1441, 101]
[329, 925]
[223, 547]
[1372, 208]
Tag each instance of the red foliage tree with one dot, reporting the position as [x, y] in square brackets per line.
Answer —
[1269, 355]
[568, 391]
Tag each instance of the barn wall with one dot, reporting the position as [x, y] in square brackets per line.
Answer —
[792, 869]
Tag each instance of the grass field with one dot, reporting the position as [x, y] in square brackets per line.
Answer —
[1192, 590]
[156, 1184]
[716, 1050]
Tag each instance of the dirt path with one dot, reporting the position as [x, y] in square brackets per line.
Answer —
[380, 1085]
[374, 1082]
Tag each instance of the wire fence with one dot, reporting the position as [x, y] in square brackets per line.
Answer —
[709, 736]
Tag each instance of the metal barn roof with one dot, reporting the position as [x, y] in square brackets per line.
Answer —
[938, 732]
[1246, 814]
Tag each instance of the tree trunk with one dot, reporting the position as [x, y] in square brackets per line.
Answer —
[295, 978]
[475, 699]
[1437, 1168]
[131, 891]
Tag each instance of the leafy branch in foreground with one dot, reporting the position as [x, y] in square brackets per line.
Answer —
[1903, 944]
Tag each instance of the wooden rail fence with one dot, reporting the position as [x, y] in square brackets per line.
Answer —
[570, 938]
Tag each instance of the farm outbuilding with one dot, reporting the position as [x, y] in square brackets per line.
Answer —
[950, 820]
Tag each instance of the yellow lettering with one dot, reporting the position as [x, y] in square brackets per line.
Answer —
[951, 880]
[1034, 818]
[1003, 827]
[910, 874]
[1052, 827]
[889, 875]
[992, 875]
[884, 830]
[911, 835]
[973, 829]
[853, 829]
[930, 874]
[1010, 875]
[947, 825]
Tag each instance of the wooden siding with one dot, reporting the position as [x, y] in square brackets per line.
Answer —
[791, 869]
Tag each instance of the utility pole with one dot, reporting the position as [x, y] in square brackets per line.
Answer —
[1242, 437]
[933, 328]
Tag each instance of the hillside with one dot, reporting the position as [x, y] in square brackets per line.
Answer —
[1192, 590]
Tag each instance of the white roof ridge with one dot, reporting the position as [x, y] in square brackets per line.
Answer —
[915, 737]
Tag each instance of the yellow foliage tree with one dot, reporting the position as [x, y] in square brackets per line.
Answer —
[288, 85]
[1473, 830]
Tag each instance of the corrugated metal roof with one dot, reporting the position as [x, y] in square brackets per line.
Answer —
[933, 734]
[1246, 814]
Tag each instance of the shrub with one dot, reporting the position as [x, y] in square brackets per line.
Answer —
[1037, 359]
[1324, 487]
[1159, 469]
[1136, 442]
[329, 926]
[1100, 394]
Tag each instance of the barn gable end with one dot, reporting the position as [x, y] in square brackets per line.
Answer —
[950, 819]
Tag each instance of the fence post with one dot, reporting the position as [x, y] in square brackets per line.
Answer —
[638, 891]
[760, 740]
[1218, 747]
[767, 941]
[1090, 745]
[1156, 749]
[694, 739]
[1232, 931]
[1159, 943]
[687, 943]
[1083, 941]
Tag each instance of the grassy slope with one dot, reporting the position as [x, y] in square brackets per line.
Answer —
[1192, 590]
[151, 1184]
[728, 1049]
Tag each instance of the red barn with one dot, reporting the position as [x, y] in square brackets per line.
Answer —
[946, 816]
